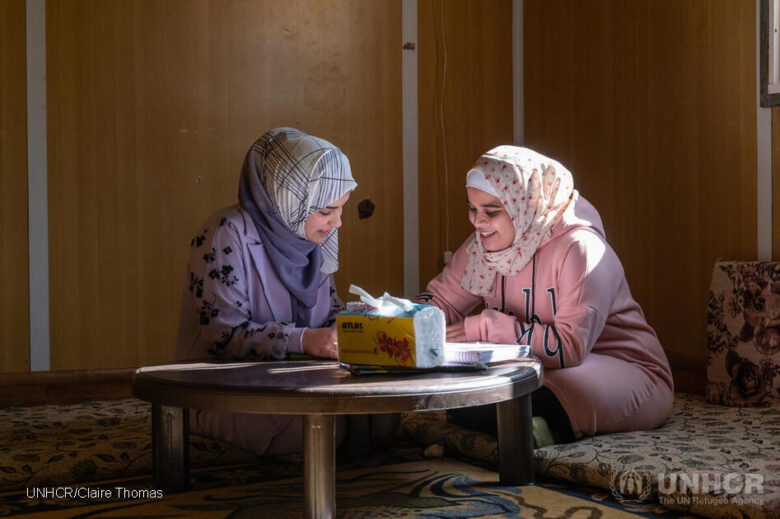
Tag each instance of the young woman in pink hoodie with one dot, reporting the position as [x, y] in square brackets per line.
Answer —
[540, 264]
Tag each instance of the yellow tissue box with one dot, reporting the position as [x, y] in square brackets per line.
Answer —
[366, 336]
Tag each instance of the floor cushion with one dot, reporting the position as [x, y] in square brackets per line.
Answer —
[743, 334]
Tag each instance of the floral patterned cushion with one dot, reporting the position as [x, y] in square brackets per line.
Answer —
[699, 438]
[743, 334]
[92, 441]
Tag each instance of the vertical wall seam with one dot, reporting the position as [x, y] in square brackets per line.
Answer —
[764, 159]
[410, 150]
[518, 113]
[37, 197]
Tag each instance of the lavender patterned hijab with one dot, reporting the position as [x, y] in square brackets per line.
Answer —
[286, 176]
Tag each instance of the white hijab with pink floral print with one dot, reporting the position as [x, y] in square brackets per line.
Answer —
[535, 191]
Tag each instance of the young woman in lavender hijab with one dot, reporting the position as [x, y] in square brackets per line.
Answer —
[259, 281]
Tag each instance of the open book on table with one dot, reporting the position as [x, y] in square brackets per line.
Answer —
[458, 356]
[482, 352]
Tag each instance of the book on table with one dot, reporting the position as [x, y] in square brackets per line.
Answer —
[458, 356]
[482, 352]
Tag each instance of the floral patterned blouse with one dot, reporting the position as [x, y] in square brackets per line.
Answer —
[233, 304]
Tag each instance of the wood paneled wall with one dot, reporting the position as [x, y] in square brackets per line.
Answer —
[463, 111]
[776, 183]
[14, 295]
[652, 106]
[35, 388]
[152, 106]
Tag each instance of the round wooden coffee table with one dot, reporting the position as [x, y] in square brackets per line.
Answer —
[318, 390]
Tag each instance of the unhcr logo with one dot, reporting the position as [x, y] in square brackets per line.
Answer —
[711, 488]
[631, 486]
[688, 488]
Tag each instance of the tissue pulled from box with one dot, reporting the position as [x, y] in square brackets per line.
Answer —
[389, 331]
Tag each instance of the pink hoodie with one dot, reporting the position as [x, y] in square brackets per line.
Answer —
[573, 306]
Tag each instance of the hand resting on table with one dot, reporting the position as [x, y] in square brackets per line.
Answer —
[320, 342]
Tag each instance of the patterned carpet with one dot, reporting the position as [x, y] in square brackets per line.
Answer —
[110, 442]
[439, 488]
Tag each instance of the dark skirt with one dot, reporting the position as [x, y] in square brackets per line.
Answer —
[543, 403]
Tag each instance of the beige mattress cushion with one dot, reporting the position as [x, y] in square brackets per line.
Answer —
[700, 440]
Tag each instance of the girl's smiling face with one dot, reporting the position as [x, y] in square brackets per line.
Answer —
[319, 224]
[490, 219]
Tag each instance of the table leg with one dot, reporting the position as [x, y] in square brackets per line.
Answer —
[319, 466]
[170, 447]
[515, 442]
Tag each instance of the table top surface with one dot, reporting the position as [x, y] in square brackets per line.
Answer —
[321, 386]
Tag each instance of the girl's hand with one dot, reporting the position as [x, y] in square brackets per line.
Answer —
[456, 332]
[320, 342]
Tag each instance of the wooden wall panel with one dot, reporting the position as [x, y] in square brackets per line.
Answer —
[35, 388]
[651, 105]
[14, 298]
[776, 183]
[463, 111]
[152, 106]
